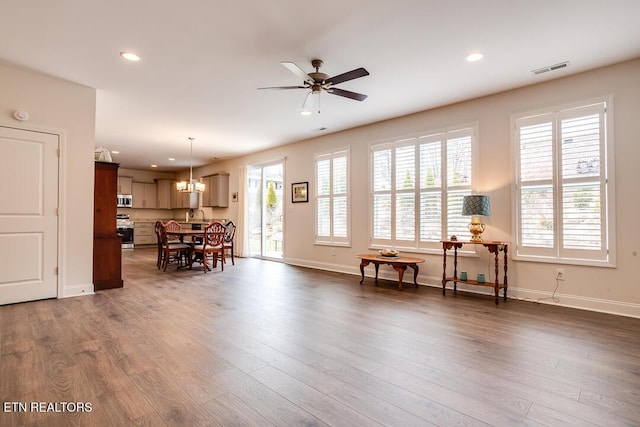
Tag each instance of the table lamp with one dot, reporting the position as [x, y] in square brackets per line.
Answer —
[476, 205]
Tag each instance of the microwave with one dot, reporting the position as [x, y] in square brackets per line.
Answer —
[125, 200]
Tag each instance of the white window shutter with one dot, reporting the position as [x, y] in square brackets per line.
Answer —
[561, 186]
[417, 189]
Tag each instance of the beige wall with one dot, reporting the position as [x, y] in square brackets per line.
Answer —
[603, 289]
[68, 109]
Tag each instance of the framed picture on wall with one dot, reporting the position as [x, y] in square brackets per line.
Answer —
[299, 192]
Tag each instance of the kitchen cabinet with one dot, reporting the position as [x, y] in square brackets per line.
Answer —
[184, 200]
[216, 193]
[145, 195]
[144, 233]
[124, 184]
[107, 244]
[165, 187]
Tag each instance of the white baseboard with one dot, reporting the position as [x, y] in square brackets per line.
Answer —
[562, 300]
[338, 268]
[576, 301]
[76, 291]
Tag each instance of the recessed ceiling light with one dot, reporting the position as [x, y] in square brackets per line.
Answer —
[130, 56]
[115, 152]
[474, 57]
[154, 166]
[171, 159]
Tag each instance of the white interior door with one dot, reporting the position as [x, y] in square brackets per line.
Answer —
[28, 215]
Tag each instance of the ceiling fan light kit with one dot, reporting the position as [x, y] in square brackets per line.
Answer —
[317, 82]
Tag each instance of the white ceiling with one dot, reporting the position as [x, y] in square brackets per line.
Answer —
[203, 60]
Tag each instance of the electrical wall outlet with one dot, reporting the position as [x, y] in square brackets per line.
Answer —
[559, 273]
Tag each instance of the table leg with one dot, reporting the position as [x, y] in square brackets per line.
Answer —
[415, 273]
[377, 266]
[444, 268]
[400, 268]
[455, 269]
[497, 285]
[506, 284]
[363, 264]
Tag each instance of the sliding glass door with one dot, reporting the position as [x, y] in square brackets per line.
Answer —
[265, 202]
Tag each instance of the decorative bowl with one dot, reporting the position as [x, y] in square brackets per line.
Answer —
[388, 252]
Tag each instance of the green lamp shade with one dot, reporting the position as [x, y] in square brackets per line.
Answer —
[476, 205]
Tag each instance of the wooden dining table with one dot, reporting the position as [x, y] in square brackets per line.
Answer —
[183, 232]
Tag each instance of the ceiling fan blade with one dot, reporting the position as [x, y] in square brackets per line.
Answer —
[349, 75]
[297, 71]
[347, 94]
[285, 87]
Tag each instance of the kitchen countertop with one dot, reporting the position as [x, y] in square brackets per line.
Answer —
[202, 222]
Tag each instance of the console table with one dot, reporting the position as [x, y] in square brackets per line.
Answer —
[399, 263]
[493, 247]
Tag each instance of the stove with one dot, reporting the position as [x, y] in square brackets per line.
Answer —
[124, 226]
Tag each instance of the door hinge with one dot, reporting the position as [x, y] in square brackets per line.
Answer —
[55, 271]
[58, 152]
[57, 211]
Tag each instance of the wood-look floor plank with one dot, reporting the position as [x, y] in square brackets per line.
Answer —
[268, 403]
[230, 410]
[405, 399]
[295, 368]
[552, 394]
[550, 417]
[16, 334]
[471, 405]
[630, 411]
[322, 406]
[377, 409]
[172, 404]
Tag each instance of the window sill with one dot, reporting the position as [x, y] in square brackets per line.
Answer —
[428, 251]
[335, 244]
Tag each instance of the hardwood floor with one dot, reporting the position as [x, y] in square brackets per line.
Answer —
[264, 343]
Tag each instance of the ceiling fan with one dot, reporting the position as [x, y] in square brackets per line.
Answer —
[318, 82]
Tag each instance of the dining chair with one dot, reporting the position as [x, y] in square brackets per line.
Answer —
[212, 243]
[159, 237]
[229, 237]
[173, 225]
[171, 251]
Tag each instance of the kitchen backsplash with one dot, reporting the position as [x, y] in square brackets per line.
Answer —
[165, 214]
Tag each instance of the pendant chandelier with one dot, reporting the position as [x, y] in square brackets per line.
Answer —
[192, 186]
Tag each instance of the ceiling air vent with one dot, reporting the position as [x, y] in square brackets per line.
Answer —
[550, 68]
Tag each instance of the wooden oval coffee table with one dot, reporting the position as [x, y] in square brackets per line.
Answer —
[399, 263]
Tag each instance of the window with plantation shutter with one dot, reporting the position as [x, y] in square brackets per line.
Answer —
[332, 198]
[563, 195]
[417, 189]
